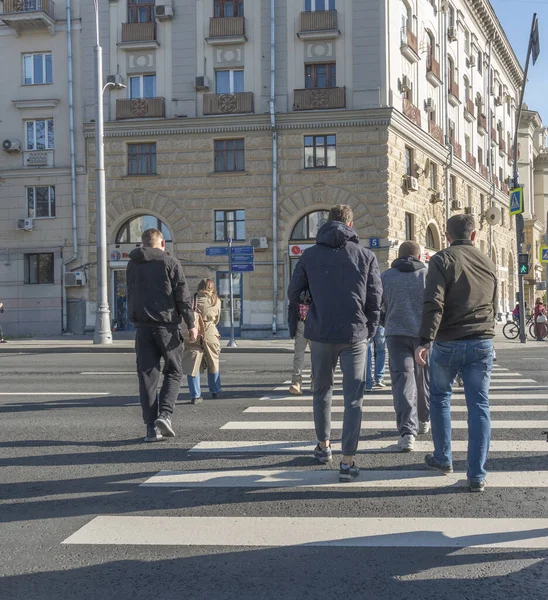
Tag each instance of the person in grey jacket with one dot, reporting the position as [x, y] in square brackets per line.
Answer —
[345, 286]
[403, 292]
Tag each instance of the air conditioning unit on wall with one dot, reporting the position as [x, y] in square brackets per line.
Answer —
[259, 243]
[24, 224]
[164, 12]
[456, 205]
[75, 279]
[412, 184]
[11, 145]
[202, 83]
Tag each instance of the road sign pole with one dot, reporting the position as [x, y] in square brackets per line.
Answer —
[521, 286]
[232, 342]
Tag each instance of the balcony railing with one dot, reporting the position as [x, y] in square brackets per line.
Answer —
[470, 107]
[140, 108]
[502, 147]
[409, 44]
[457, 148]
[482, 124]
[432, 68]
[27, 6]
[453, 92]
[494, 136]
[319, 20]
[505, 188]
[320, 99]
[471, 159]
[29, 15]
[224, 27]
[484, 171]
[138, 32]
[511, 155]
[436, 132]
[227, 104]
[411, 112]
[496, 181]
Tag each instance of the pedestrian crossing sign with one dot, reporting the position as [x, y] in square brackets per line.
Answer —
[516, 201]
[543, 255]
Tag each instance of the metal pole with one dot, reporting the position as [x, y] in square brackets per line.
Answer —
[232, 343]
[519, 218]
[103, 333]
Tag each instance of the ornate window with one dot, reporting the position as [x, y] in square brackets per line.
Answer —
[432, 239]
[307, 228]
[131, 231]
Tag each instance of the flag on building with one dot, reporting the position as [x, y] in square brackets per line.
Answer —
[535, 41]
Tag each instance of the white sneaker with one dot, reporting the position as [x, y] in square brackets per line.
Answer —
[424, 427]
[295, 388]
[406, 443]
[380, 384]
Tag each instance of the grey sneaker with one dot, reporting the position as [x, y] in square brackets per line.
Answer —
[406, 443]
[476, 485]
[380, 384]
[424, 427]
[153, 435]
[348, 473]
[432, 463]
[323, 455]
[163, 423]
[198, 400]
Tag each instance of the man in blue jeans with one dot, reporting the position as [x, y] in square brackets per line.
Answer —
[377, 348]
[459, 318]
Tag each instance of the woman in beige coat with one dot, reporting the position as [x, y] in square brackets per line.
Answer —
[203, 354]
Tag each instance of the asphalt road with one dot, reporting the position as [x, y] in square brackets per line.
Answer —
[75, 455]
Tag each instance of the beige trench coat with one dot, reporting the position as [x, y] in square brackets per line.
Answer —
[204, 353]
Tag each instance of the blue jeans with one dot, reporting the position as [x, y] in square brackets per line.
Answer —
[213, 380]
[474, 360]
[378, 346]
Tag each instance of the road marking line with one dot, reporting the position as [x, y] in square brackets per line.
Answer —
[375, 425]
[388, 396]
[54, 393]
[254, 447]
[390, 409]
[108, 373]
[293, 478]
[336, 388]
[314, 531]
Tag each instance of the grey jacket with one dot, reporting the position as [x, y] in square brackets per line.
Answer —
[403, 292]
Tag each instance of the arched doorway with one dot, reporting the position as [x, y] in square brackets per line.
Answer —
[304, 234]
[432, 242]
[127, 238]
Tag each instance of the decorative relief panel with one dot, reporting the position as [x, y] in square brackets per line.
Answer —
[229, 56]
[320, 51]
[140, 62]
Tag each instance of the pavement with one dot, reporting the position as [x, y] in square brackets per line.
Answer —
[235, 508]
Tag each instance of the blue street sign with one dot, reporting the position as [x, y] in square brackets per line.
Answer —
[243, 259]
[516, 201]
[238, 268]
[217, 251]
[238, 250]
[223, 251]
[544, 254]
[374, 242]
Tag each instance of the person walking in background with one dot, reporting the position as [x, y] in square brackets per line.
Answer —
[158, 300]
[204, 353]
[539, 316]
[403, 291]
[377, 347]
[2, 340]
[345, 286]
[459, 314]
[297, 314]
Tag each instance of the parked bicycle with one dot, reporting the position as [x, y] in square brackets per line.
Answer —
[511, 329]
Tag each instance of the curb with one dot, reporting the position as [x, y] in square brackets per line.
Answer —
[114, 349]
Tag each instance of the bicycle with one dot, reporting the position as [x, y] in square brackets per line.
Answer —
[511, 329]
[532, 331]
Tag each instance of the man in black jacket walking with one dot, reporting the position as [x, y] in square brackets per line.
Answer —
[344, 282]
[158, 300]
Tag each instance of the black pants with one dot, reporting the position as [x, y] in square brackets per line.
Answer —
[151, 345]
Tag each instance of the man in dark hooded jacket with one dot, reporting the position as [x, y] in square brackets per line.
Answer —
[345, 286]
[403, 292]
[158, 300]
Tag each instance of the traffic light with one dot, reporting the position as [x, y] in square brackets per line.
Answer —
[523, 263]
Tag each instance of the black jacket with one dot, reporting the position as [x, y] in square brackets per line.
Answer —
[157, 290]
[344, 282]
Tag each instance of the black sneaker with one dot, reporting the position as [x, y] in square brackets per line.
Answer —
[323, 455]
[432, 463]
[217, 395]
[163, 423]
[476, 485]
[153, 435]
[348, 473]
[198, 400]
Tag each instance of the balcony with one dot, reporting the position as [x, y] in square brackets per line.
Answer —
[505, 188]
[138, 36]
[502, 148]
[228, 104]
[433, 69]
[319, 25]
[494, 137]
[409, 45]
[457, 148]
[226, 30]
[484, 171]
[511, 156]
[471, 160]
[411, 112]
[469, 110]
[454, 93]
[496, 181]
[140, 108]
[29, 15]
[436, 132]
[319, 99]
[482, 124]
[38, 158]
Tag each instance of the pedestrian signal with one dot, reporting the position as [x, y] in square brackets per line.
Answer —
[523, 263]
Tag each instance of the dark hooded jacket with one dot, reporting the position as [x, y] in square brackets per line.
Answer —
[344, 282]
[403, 292]
[157, 290]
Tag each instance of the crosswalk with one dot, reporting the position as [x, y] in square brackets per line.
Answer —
[241, 461]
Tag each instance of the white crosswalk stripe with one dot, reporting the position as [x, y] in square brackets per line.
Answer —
[371, 425]
[389, 409]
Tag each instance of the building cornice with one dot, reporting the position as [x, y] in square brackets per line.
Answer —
[46, 103]
[488, 21]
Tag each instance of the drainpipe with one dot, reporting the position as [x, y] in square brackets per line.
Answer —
[72, 161]
[490, 83]
[274, 165]
[449, 161]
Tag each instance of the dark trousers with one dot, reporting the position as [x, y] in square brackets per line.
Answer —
[151, 345]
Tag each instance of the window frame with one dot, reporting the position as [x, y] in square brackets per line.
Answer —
[27, 268]
[48, 125]
[44, 55]
[409, 227]
[433, 176]
[51, 201]
[219, 8]
[326, 146]
[330, 3]
[306, 227]
[234, 221]
[149, 156]
[225, 151]
[430, 237]
[141, 79]
[311, 75]
[231, 86]
[452, 187]
[408, 160]
[125, 229]
[134, 7]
